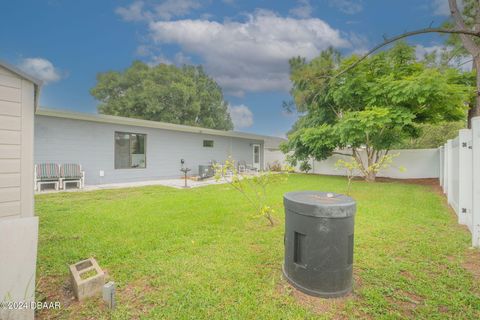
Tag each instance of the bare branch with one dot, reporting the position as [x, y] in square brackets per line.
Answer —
[342, 154]
[405, 35]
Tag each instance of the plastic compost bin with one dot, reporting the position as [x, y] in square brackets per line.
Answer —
[319, 229]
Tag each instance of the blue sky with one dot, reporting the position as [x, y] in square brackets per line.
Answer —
[244, 45]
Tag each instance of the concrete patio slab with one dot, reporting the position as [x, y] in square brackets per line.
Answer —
[173, 183]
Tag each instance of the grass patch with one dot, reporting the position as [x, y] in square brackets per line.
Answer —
[198, 253]
[88, 274]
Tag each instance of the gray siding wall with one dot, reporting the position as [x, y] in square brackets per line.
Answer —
[91, 144]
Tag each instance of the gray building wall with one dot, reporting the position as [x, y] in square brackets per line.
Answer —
[91, 144]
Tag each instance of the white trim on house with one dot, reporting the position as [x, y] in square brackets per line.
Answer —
[255, 164]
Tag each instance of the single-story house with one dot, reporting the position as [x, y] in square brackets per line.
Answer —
[114, 149]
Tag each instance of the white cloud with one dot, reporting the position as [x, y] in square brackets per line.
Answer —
[181, 59]
[165, 10]
[251, 55]
[174, 8]
[41, 69]
[159, 59]
[143, 51]
[241, 116]
[421, 50]
[134, 12]
[463, 63]
[303, 10]
[359, 43]
[347, 6]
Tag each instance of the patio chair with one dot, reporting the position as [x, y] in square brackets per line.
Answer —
[251, 169]
[46, 173]
[242, 166]
[72, 173]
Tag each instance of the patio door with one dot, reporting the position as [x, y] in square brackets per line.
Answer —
[256, 156]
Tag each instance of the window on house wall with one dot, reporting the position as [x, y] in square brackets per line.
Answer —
[208, 143]
[130, 151]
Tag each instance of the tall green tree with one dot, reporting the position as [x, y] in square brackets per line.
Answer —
[163, 92]
[432, 135]
[370, 108]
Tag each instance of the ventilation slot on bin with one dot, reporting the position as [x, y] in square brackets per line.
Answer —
[350, 250]
[299, 249]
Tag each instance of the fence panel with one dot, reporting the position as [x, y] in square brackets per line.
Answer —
[446, 165]
[441, 164]
[454, 175]
[419, 163]
[476, 181]
[465, 178]
[461, 177]
[450, 171]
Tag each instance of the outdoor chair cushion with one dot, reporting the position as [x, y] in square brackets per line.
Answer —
[70, 171]
[47, 171]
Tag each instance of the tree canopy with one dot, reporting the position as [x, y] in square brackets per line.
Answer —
[373, 106]
[432, 135]
[184, 95]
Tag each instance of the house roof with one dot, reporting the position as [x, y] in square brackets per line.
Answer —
[102, 118]
[36, 82]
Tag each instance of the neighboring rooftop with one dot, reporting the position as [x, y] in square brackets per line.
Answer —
[273, 142]
[270, 141]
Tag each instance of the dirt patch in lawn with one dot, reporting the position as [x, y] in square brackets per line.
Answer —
[334, 307]
[133, 295]
[407, 275]
[59, 288]
[472, 263]
[317, 305]
[423, 182]
[56, 288]
[53, 289]
[406, 302]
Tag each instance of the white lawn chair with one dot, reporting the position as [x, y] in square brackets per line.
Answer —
[46, 173]
[72, 173]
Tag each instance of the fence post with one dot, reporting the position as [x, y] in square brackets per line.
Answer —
[440, 158]
[445, 168]
[449, 172]
[476, 182]
[465, 177]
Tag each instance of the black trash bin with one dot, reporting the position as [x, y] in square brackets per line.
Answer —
[319, 242]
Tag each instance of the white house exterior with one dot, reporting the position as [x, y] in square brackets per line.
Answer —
[18, 225]
[114, 149]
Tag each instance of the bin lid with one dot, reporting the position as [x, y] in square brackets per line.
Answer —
[320, 204]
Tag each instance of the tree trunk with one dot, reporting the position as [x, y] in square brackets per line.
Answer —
[472, 48]
[370, 176]
[476, 111]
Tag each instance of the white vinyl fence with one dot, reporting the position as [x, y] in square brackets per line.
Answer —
[418, 163]
[460, 177]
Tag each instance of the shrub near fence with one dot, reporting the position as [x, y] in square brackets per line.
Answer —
[460, 177]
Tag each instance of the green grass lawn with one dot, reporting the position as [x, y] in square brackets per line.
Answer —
[201, 254]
